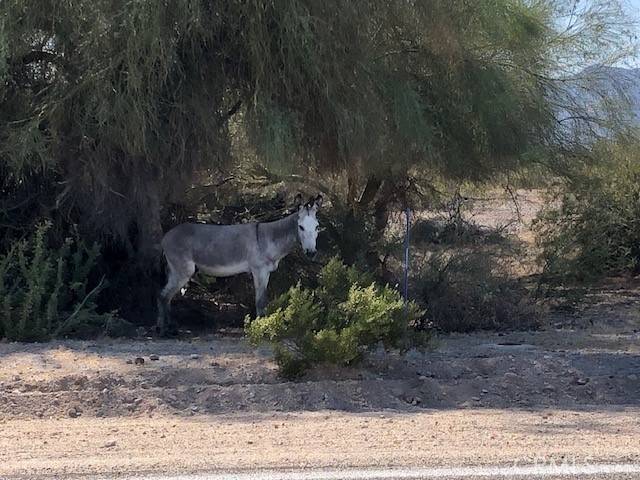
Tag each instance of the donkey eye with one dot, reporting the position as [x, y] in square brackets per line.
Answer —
[301, 227]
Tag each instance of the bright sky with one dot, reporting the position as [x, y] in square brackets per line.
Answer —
[634, 10]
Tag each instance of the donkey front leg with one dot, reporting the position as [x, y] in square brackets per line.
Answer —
[260, 282]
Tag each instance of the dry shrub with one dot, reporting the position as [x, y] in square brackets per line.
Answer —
[474, 290]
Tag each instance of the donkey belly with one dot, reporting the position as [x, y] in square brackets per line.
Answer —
[225, 270]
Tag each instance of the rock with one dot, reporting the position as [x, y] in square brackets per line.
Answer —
[548, 388]
[194, 356]
[139, 361]
[16, 378]
[582, 381]
[632, 377]
[73, 413]
[422, 377]
[475, 399]
[154, 357]
[484, 391]
[194, 408]
[110, 444]
[129, 361]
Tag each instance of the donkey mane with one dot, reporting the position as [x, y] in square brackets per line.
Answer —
[281, 231]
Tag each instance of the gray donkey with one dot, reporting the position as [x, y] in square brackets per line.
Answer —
[225, 250]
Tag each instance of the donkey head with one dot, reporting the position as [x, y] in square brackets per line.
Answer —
[308, 223]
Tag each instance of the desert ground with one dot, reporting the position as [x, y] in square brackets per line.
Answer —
[567, 393]
[211, 403]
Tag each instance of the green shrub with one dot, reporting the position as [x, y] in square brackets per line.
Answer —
[471, 290]
[45, 292]
[594, 229]
[335, 323]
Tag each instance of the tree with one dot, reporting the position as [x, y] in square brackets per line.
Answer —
[109, 108]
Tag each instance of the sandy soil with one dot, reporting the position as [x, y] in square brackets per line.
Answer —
[215, 403]
[162, 444]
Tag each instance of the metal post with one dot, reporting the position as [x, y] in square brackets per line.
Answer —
[407, 213]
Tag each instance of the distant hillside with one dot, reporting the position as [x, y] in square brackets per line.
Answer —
[611, 87]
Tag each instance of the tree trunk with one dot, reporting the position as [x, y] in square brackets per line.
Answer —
[369, 193]
[149, 230]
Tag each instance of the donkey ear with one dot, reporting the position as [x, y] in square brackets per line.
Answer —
[318, 201]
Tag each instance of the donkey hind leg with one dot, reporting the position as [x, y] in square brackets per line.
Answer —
[177, 277]
[260, 282]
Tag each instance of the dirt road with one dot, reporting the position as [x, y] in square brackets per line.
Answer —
[208, 404]
[317, 439]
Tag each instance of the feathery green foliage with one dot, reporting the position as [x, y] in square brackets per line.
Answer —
[111, 109]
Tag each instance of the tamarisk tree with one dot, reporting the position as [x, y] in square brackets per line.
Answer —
[108, 108]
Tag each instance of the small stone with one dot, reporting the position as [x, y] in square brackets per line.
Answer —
[484, 391]
[548, 388]
[110, 444]
[154, 357]
[16, 378]
[73, 413]
[582, 381]
[632, 377]
[194, 408]
[194, 356]
[129, 361]
[475, 399]
[139, 361]
[422, 377]
[214, 364]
